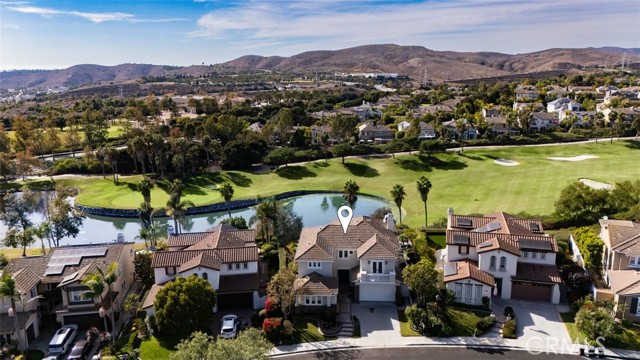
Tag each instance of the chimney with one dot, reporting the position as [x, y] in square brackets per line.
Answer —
[389, 223]
[449, 215]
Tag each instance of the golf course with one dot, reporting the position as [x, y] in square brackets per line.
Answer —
[517, 179]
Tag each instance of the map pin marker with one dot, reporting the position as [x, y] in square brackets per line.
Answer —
[345, 219]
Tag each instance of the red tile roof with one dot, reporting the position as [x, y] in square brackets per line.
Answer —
[467, 269]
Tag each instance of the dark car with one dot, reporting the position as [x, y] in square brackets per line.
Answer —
[80, 350]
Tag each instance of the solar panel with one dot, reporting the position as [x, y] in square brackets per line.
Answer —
[54, 270]
[488, 228]
[485, 244]
[534, 227]
[461, 239]
[71, 257]
[535, 244]
[463, 222]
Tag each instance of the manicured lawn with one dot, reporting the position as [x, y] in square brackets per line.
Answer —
[463, 321]
[11, 253]
[470, 183]
[306, 331]
[113, 132]
[405, 327]
[622, 337]
[157, 348]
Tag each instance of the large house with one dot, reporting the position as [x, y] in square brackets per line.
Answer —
[500, 255]
[51, 286]
[224, 256]
[371, 132]
[364, 260]
[621, 262]
[426, 131]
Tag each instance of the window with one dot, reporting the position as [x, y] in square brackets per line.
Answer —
[237, 266]
[245, 266]
[503, 263]
[534, 255]
[123, 286]
[377, 267]
[463, 249]
[205, 276]
[314, 265]
[171, 270]
[478, 293]
[230, 267]
[313, 300]
[492, 264]
[634, 261]
[458, 291]
[467, 293]
[525, 254]
[543, 256]
[79, 296]
[343, 254]
[33, 293]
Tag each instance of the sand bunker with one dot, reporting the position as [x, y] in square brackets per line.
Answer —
[575, 158]
[596, 184]
[505, 162]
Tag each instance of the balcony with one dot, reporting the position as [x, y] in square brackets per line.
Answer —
[377, 278]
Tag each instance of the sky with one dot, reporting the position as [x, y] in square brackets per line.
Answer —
[52, 34]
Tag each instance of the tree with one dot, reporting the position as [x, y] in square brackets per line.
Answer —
[63, 218]
[145, 186]
[113, 154]
[237, 222]
[226, 190]
[280, 287]
[581, 204]
[185, 305]
[398, 194]
[131, 304]
[343, 126]
[250, 344]
[342, 150]
[424, 280]
[595, 320]
[279, 156]
[143, 269]
[20, 229]
[350, 192]
[175, 209]
[101, 281]
[424, 186]
[418, 317]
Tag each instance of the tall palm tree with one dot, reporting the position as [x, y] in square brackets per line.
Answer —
[266, 217]
[350, 192]
[144, 234]
[145, 186]
[145, 212]
[398, 194]
[424, 186]
[97, 283]
[176, 208]
[8, 289]
[226, 190]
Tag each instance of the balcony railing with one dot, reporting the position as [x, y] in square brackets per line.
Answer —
[377, 278]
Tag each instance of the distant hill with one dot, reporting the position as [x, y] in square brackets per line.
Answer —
[388, 58]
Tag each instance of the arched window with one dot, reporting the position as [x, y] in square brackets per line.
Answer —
[492, 264]
[205, 276]
[503, 263]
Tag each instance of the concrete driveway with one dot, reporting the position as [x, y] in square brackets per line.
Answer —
[377, 319]
[539, 323]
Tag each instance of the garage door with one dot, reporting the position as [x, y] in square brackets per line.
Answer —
[87, 321]
[531, 291]
[31, 333]
[235, 301]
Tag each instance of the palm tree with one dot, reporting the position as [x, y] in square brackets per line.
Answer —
[424, 186]
[350, 192]
[144, 234]
[97, 283]
[398, 194]
[226, 190]
[145, 212]
[145, 186]
[176, 208]
[8, 289]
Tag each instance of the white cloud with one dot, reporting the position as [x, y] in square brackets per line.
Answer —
[91, 16]
[485, 24]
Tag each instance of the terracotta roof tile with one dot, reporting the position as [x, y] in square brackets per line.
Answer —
[496, 243]
[230, 255]
[151, 296]
[201, 260]
[466, 269]
[316, 284]
[538, 273]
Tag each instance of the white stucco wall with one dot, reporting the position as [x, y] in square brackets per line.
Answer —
[486, 290]
[161, 277]
[344, 264]
[326, 268]
[555, 294]
[252, 267]
[550, 258]
[213, 276]
[452, 253]
[484, 263]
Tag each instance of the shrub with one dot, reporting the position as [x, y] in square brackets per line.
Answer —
[485, 324]
[3, 260]
[508, 311]
[329, 316]
[486, 302]
[272, 328]
[509, 329]
[418, 318]
[271, 308]
[287, 329]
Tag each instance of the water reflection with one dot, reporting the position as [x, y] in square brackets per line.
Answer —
[317, 209]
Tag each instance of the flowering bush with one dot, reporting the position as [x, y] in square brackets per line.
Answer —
[271, 307]
[272, 328]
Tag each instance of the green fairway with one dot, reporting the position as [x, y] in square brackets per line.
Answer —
[470, 183]
[113, 132]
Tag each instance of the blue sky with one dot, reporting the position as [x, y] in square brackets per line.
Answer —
[57, 34]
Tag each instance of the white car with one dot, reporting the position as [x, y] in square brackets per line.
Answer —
[229, 326]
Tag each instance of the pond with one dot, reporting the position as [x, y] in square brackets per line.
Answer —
[315, 209]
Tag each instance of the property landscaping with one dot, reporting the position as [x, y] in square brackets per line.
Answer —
[623, 336]
[469, 182]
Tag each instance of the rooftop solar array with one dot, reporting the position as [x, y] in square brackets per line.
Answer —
[485, 244]
[488, 228]
[71, 257]
[534, 227]
[535, 244]
[463, 222]
[461, 239]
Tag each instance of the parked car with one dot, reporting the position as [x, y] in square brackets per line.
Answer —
[63, 339]
[52, 357]
[80, 350]
[229, 326]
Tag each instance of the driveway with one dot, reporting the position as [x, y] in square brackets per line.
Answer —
[539, 323]
[244, 315]
[377, 319]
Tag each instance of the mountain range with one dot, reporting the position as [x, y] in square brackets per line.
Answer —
[414, 61]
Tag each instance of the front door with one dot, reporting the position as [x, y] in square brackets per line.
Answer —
[499, 287]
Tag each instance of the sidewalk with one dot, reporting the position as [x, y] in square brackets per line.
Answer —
[513, 344]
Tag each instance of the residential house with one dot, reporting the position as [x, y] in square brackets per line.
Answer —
[500, 255]
[426, 131]
[498, 126]
[256, 127]
[621, 262]
[492, 111]
[522, 106]
[363, 260]
[51, 286]
[226, 257]
[469, 132]
[563, 105]
[628, 114]
[527, 93]
[370, 132]
[542, 121]
[318, 131]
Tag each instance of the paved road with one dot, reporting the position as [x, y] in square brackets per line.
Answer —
[421, 353]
